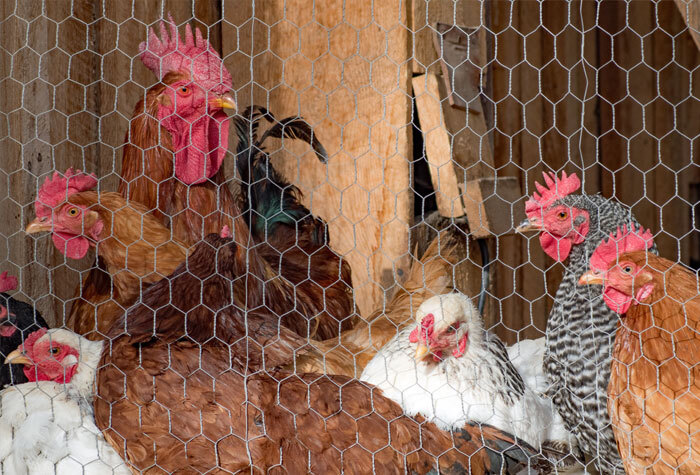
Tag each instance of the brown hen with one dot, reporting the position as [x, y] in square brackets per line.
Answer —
[654, 392]
[136, 248]
[174, 396]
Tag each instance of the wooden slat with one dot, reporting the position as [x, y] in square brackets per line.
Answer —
[438, 144]
[690, 10]
[425, 14]
[346, 70]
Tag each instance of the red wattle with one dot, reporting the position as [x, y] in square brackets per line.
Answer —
[74, 247]
[618, 302]
[7, 330]
[461, 347]
[199, 156]
[556, 248]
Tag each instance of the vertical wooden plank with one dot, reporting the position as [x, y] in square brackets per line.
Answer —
[345, 68]
[438, 145]
[690, 11]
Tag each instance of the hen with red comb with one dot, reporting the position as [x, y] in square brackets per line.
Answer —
[581, 327]
[47, 425]
[654, 391]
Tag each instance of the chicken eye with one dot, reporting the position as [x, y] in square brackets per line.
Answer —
[55, 350]
[183, 90]
[452, 328]
[73, 212]
[627, 269]
[563, 214]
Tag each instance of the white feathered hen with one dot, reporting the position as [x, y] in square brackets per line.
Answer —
[448, 369]
[47, 425]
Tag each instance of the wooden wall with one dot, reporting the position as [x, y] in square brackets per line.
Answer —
[607, 90]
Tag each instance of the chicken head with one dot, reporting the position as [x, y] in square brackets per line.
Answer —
[618, 264]
[48, 356]
[191, 106]
[560, 226]
[74, 228]
[445, 323]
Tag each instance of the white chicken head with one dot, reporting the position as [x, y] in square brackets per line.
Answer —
[448, 322]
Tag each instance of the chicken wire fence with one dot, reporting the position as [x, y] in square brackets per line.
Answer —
[254, 194]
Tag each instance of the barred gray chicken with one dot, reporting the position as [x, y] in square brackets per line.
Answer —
[581, 328]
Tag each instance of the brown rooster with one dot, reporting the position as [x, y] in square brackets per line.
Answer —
[135, 247]
[174, 149]
[172, 396]
[654, 392]
[430, 276]
[292, 241]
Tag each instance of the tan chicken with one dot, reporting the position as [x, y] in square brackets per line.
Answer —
[430, 276]
[136, 248]
[654, 392]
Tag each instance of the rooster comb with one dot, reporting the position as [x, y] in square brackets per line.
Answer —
[32, 339]
[7, 282]
[619, 242]
[556, 189]
[193, 55]
[57, 188]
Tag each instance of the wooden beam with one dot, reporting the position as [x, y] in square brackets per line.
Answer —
[690, 11]
[343, 66]
[438, 145]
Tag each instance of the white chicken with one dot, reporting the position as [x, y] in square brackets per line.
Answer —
[47, 425]
[449, 370]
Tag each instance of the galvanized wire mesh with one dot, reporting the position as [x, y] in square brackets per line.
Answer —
[607, 91]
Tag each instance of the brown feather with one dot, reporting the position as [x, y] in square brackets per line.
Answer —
[654, 392]
[430, 276]
[171, 391]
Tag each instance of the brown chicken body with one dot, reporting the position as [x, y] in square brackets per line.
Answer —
[654, 391]
[136, 250]
[172, 396]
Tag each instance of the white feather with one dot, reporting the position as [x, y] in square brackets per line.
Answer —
[457, 389]
[49, 428]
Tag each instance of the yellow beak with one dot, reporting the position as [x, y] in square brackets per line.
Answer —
[529, 225]
[421, 352]
[39, 225]
[592, 277]
[17, 357]
[224, 101]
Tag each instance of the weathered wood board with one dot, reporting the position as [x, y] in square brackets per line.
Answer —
[345, 68]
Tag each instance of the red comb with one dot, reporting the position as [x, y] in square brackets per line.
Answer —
[7, 282]
[194, 55]
[58, 188]
[31, 339]
[617, 244]
[556, 189]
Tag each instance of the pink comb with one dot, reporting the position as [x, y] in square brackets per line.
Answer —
[556, 189]
[31, 339]
[619, 243]
[7, 282]
[58, 188]
[225, 232]
[194, 55]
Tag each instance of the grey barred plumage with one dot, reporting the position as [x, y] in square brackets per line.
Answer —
[580, 335]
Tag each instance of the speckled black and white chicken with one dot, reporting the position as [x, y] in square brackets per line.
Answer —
[449, 370]
[580, 328]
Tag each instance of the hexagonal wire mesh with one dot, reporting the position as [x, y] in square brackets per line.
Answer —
[379, 155]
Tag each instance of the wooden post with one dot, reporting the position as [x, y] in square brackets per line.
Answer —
[344, 66]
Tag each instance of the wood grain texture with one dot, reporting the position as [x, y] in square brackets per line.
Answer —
[344, 67]
[690, 11]
[438, 144]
